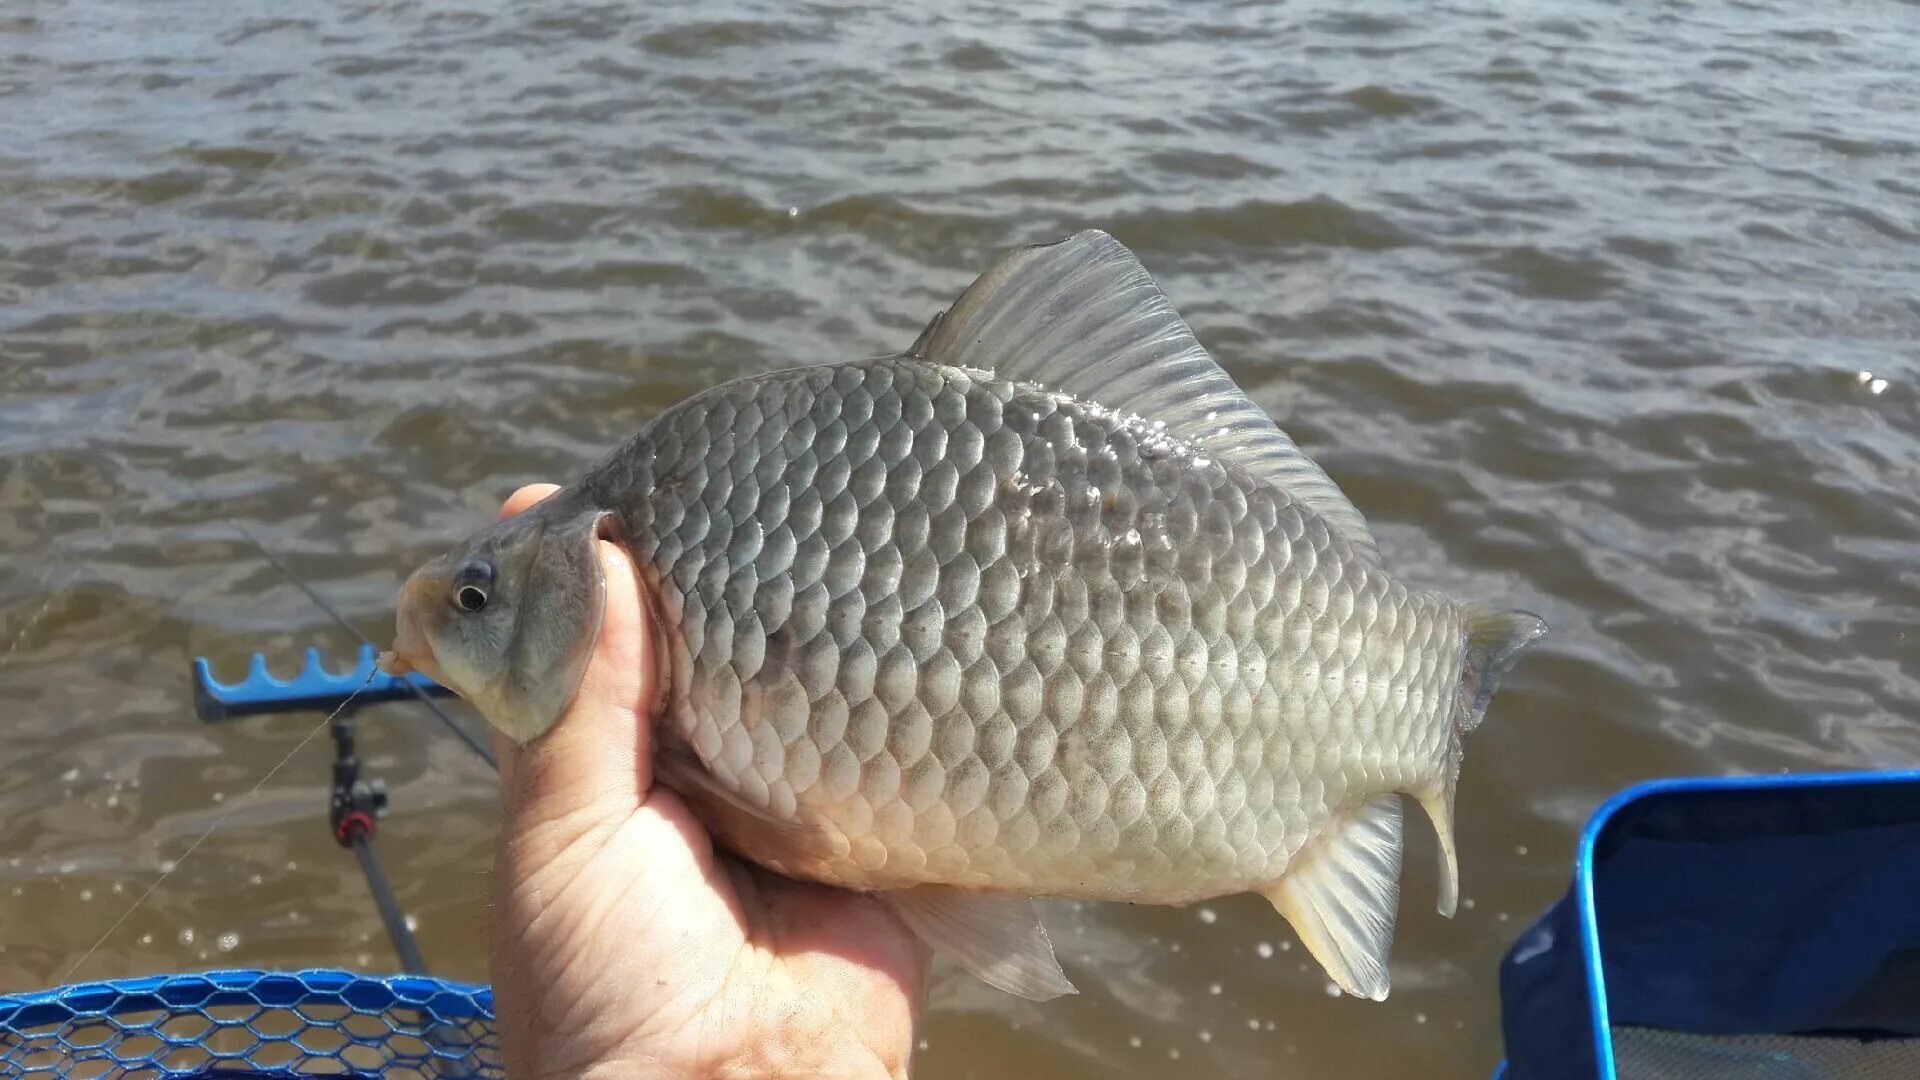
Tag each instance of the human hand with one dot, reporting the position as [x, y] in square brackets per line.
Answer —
[624, 945]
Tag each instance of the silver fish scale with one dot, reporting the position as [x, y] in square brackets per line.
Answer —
[971, 632]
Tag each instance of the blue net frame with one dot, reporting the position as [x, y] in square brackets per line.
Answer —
[232, 1024]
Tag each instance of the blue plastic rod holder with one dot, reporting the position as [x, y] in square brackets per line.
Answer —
[315, 688]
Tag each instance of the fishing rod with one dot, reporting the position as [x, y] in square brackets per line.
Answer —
[355, 804]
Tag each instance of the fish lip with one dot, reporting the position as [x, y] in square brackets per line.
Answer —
[411, 650]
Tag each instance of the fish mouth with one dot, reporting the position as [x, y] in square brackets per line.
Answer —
[411, 650]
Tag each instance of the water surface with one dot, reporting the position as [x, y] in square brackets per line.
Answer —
[1607, 314]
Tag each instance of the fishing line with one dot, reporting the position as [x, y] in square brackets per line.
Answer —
[217, 822]
[34, 619]
[465, 736]
[54, 594]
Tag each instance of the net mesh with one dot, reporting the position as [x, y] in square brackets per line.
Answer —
[253, 1023]
[1642, 1053]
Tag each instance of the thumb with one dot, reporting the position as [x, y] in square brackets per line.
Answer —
[594, 763]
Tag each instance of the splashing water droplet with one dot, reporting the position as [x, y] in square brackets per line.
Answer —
[1265, 949]
[1286, 946]
[1332, 989]
[413, 923]
[1864, 376]
[1876, 386]
[1213, 988]
[1252, 1024]
[71, 774]
[229, 941]
[1205, 1035]
[86, 894]
[1134, 1041]
[1208, 916]
[146, 939]
[186, 935]
[1419, 1018]
[1521, 850]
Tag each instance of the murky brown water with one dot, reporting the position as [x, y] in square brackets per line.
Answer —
[1575, 305]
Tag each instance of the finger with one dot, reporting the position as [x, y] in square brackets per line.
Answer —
[520, 500]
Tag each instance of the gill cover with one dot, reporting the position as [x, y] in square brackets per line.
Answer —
[521, 658]
[561, 605]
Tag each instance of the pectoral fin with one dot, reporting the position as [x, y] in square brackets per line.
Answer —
[996, 936]
[1342, 894]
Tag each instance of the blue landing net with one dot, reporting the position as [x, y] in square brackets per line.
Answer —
[234, 1024]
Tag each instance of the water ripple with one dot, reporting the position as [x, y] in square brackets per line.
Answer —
[1608, 313]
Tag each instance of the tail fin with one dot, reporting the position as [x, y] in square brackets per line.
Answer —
[1493, 642]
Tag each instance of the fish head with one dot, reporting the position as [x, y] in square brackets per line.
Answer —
[509, 618]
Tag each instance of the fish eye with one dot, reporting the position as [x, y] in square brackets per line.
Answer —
[472, 585]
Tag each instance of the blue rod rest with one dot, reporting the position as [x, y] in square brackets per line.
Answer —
[315, 688]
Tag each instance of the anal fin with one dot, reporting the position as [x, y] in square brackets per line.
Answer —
[995, 936]
[1342, 894]
[1437, 800]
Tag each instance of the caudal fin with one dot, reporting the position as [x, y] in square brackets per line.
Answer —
[1494, 641]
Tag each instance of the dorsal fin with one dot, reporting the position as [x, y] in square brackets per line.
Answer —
[1083, 317]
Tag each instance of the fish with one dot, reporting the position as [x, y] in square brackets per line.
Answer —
[1043, 607]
